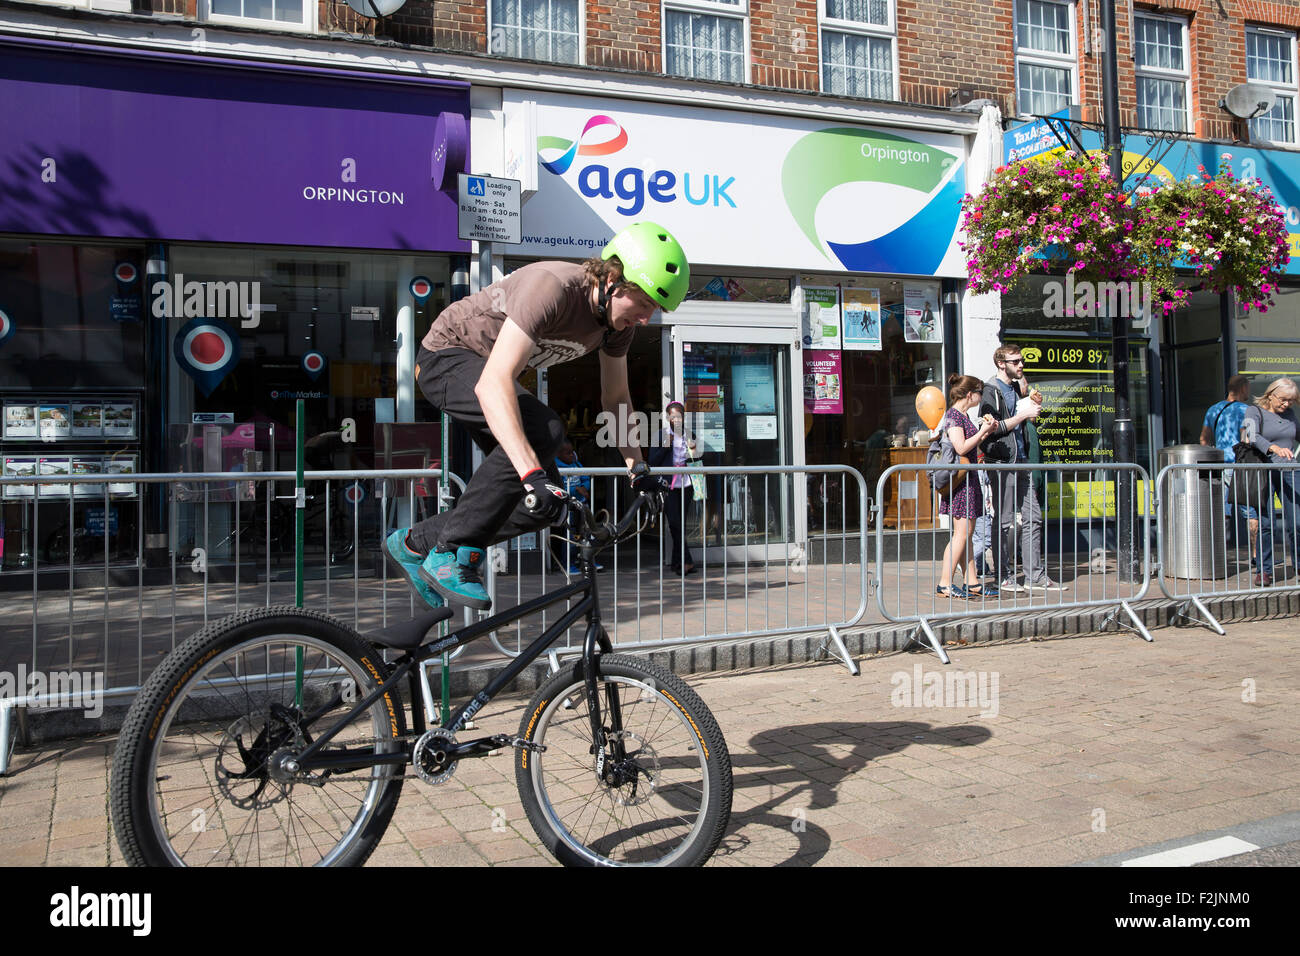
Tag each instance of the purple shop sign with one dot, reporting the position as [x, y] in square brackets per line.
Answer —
[822, 379]
[169, 146]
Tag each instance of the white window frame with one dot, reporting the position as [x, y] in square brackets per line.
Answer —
[723, 11]
[1289, 91]
[1160, 73]
[309, 9]
[1056, 61]
[887, 31]
[582, 35]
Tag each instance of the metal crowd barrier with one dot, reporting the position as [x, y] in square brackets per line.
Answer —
[97, 614]
[760, 568]
[1079, 506]
[1217, 521]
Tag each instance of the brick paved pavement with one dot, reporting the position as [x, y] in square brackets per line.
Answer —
[1099, 745]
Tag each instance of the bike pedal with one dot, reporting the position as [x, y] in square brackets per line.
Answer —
[530, 747]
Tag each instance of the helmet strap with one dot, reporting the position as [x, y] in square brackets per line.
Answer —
[602, 303]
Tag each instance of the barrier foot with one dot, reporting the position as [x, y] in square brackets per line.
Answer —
[553, 659]
[842, 652]
[6, 746]
[935, 644]
[1137, 624]
[1210, 619]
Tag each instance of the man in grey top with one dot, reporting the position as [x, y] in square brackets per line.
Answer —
[1008, 398]
[468, 366]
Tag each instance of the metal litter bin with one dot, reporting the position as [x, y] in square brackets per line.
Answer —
[1194, 528]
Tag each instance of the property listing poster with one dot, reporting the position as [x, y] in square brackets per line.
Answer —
[921, 313]
[821, 382]
[821, 318]
[862, 319]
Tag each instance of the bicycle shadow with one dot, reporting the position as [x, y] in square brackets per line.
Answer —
[804, 766]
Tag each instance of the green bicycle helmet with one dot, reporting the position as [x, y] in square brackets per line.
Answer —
[654, 261]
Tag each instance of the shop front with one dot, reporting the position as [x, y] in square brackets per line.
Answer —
[817, 251]
[192, 247]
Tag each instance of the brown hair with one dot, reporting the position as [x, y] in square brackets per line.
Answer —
[604, 271]
[959, 386]
[1004, 352]
[1238, 384]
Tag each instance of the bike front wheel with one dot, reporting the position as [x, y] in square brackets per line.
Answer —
[201, 775]
[659, 793]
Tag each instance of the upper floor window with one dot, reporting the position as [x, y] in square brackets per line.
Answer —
[1270, 60]
[536, 29]
[1160, 48]
[706, 39]
[1046, 62]
[857, 48]
[276, 14]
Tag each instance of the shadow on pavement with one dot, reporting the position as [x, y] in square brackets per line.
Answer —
[804, 765]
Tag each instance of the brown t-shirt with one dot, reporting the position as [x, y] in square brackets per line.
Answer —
[550, 301]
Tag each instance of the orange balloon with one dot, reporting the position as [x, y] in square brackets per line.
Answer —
[930, 406]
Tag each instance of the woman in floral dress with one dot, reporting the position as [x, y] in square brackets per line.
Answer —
[965, 503]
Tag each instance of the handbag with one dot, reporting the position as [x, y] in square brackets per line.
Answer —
[1250, 485]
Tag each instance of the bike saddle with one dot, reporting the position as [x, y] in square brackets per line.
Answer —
[409, 635]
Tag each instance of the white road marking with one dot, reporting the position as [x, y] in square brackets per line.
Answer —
[1194, 853]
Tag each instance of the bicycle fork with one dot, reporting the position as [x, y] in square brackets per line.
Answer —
[606, 742]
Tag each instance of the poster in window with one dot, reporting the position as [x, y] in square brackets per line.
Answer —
[55, 467]
[119, 419]
[862, 319]
[821, 323]
[120, 465]
[753, 384]
[87, 419]
[87, 466]
[921, 313]
[19, 468]
[55, 422]
[20, 421]
[821, 383]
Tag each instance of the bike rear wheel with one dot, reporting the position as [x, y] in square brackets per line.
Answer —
[665, 802]
[198, 777]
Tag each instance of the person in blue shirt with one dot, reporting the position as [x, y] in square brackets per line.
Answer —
[1222, 429]
[1222, 425]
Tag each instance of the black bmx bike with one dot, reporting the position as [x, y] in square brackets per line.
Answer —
[278, 736]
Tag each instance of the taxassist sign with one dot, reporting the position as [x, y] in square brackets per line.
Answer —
[751, 190]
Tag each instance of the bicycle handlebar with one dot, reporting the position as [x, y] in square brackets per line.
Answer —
[602, 532]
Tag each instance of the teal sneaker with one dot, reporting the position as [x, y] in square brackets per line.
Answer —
[454, 575]
[401, 558]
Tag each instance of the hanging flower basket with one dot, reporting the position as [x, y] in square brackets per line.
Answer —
[1229, 231]
[1058, 214]
[1065, 214]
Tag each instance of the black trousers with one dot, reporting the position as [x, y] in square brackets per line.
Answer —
[491, 507]
[680, 555]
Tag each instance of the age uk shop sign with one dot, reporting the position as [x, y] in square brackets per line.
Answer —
[764, 191]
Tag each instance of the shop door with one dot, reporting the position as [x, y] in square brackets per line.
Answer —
[741, 402]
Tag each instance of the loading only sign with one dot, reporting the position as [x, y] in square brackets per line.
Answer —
[489, 209]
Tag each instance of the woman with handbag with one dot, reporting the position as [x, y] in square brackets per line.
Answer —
[677, 448]
[963, 500]
[1269, 434]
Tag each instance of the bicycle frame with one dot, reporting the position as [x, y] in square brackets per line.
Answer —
[311, 759]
